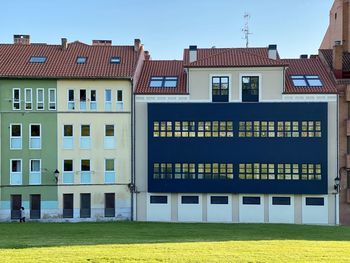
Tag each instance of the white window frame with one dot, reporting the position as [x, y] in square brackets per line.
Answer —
[37, 99]
[85, 137]
[72, 102]
[119, 102]
[114, 170]
[19, 173]
[252, 74]
[49, 99]
[81, 101]
[31, 172]
[68, 137]
[107, 102]
[230, 86]
[81, 171]
[16, 137]
[15, 101]
[35, 137]
[63, 171]
[93, 102]
[109, 142]
[26, 100]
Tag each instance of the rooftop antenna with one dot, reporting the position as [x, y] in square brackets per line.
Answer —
[245, 29]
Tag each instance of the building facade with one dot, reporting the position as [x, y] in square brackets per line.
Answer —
[236, 135]
[66, 113]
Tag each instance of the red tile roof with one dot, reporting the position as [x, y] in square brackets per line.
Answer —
[157, 68]
[231, 57]
[312, 66]
[328, 55]
[14, 61]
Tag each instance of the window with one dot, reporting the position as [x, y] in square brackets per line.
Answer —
[35, 136]
[28, 99]
[81, 60]
[16, 136]
[85, 205]
[82, 94]
[280, 200]
[219, 200]
[251, 200]
[35, 171]
[158, 199]
[108, 100]
[68, 174]
[93, 105]
[220, 89]
[68, 137]
[109, 205]
[52, 99]
[306, 81]
[38, 59]
[16, 99]
[109, 138]
[115, 60]
[314, 201]
[250, 89]
[85, 172]
[190, 199]
[110, 171]
[40, 99]
[71, 103]
[68, 205]
[163, 82]
[85, 139]
[120, 103]
[16, 172]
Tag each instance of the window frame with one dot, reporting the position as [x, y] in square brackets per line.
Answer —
[93, 102]
[82, 137]
[13, 137]
[52, 102]
[35, 137]
[163, 80]
[30, 170]
[108, 102]
[115, 60]
[81, 60]
[37, 99]
[223, 97]
[306, 78]
[82, 101]
[68, 137]
[19, 173]
[83, 171]
[15, 101]
[114, 170]
[119, 102]
[70, 171]
[38, 59]
[70, 102]
[26, 101]
[260, 88]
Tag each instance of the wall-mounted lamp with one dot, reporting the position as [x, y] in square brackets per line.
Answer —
[337, 184]
[56, 173]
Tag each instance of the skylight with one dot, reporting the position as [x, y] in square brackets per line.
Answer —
[81, 60]
[38, 59]
[163, 82]
[306, 81]
[115, 60]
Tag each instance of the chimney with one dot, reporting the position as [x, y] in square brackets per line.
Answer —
[272, 54]
[64, 43]
[313, 56]
[21, 39]
[193, 53]
[137, 44]
[303, 56]
[102, 42]
[147, 55]
[338, 59]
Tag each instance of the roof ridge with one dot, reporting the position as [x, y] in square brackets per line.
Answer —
[202, 59]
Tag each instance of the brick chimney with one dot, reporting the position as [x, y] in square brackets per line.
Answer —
[303, 56]
[137, 44]
[64, 43]
[338, 59]
[21, 39]
[346, 26]
[272, 52]
[102, 42]
[147, 55]
[192, 53]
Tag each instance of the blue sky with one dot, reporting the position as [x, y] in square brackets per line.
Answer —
[166, 27]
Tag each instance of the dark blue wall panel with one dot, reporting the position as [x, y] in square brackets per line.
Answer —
[236, 149]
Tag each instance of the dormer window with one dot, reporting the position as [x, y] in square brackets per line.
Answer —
[306, 81]
[163, 82]
[38, 59]
[81, 60]
[115, 60]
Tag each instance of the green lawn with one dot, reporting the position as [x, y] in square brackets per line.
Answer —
[166, 242]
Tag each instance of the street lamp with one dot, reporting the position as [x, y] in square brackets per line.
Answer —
[56, 173]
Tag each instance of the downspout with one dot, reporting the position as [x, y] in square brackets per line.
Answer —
[132, 182]
[336, 196]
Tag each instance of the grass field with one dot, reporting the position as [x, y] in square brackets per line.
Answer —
[166, 242]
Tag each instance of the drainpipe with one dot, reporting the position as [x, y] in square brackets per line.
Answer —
[336, 196]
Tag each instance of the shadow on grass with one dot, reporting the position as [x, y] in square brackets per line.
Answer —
[15, 235]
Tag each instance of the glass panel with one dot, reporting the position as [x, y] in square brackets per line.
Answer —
[35, 130]
[85, 130]
[68, 165]
[109, 130]
[109, 164]
[68, 130]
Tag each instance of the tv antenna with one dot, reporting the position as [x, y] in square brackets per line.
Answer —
[245, 29]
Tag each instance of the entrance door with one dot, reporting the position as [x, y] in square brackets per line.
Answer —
[68, 206]
[109, 205]
[85, 205]
[16, 203]
[250, 89]
[35, 206]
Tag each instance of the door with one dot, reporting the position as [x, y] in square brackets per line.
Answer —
[250, 89]
[68, 206]
[109, 205]
[85, 205]
[35, 206]
[16, 203]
